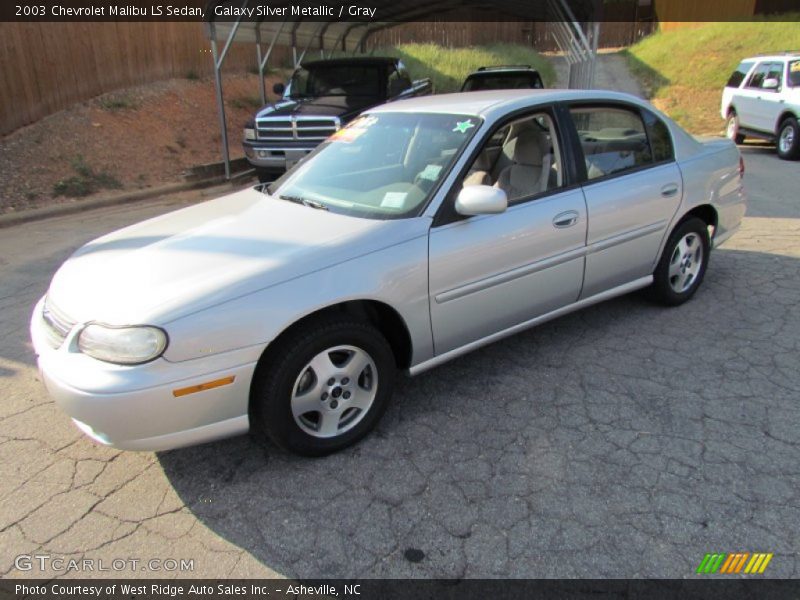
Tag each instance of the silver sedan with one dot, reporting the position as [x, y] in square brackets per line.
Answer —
[423, 230]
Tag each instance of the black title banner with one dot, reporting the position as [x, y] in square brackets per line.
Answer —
[391, 589]
[389, 11]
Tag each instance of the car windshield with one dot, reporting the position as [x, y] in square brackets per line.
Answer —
[794, 73]
[336, 80]
[381, 166]
[519, 81]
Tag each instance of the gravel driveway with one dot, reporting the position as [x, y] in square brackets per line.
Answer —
[624, 441]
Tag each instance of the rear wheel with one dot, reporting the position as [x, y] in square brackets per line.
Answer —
[789, 139]
[683, 263]
[732, 128]
[325, 387]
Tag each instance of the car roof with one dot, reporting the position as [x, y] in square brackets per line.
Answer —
[356, 60]
[491, 103]
[783, 56]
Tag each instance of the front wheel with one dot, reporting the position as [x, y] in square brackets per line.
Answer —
[683, 263]
[325, 387]
[732, 129]
[789, 139]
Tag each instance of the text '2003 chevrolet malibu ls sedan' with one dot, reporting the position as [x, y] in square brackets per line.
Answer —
[424, 229]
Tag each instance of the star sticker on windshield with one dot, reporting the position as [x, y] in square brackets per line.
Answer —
[462, 126]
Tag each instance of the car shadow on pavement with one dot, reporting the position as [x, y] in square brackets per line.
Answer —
[605, 443]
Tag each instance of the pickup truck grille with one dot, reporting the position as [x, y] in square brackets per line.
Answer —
[56, 325]
[296, 128]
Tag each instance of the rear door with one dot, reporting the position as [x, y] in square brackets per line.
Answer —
[633, 188]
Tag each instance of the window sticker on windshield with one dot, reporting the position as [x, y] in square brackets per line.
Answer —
[794, 67]
[430, 172]
[394, 199]
[463, 126]
[364, 122]
[347, 135]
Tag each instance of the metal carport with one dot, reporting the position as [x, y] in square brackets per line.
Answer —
[334, 35]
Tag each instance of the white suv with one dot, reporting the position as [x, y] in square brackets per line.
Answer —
[762, 100]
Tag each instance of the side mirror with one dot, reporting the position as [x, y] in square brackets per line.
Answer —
[481, 200]
[279, 88]
[771, 84]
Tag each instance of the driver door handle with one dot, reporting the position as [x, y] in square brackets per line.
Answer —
[565, 219]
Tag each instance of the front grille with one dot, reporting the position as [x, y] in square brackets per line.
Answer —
[56, 324]
[296, 128]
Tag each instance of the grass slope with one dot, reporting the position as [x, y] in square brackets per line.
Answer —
[448, 67]
[684, 70]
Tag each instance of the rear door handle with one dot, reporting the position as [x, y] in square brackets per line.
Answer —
[669, 190]
[565, 219]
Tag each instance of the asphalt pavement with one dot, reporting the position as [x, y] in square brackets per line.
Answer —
[626, 440]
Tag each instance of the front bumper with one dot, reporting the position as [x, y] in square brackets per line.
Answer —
[273, 158]
[134, 407]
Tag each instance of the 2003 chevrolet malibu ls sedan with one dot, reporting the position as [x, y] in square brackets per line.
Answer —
[423, 230]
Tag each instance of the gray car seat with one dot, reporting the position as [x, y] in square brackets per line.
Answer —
[529, 171]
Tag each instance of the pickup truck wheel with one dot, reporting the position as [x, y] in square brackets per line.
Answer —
[683, 263]
[789, 139]
[732, 128]
[328, 386]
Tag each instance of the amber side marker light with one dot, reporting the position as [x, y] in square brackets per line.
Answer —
[201, 387]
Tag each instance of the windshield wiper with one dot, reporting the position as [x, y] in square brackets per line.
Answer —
[304, 202]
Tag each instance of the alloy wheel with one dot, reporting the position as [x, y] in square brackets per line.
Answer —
[685, 262]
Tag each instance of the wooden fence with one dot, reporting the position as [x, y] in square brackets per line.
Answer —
[46, 67]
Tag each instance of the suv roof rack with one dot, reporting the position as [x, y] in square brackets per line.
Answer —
[493, 67]
[779, 53]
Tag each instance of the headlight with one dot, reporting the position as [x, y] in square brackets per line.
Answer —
[249, 134]
[122, 345]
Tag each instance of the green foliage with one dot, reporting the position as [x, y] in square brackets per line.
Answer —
[686, 69]
[192, 75]
[448, 67]
[86, 181]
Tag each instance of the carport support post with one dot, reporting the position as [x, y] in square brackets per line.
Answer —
[223, 124]
[262, 87]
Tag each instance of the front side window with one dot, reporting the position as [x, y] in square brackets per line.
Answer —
[613, 140]
[737, 77]
[522, 158]
[775, 71]
[757, 78]
[381, 166]
[521, 81]
[794, 73]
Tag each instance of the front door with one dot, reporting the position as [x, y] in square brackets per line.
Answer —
[491, 272]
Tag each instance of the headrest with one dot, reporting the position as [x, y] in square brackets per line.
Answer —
[482, 163]
[529, 148]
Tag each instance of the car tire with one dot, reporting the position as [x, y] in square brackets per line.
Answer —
[788, 141]
[324, 387]
[683, 263]
[732, 128]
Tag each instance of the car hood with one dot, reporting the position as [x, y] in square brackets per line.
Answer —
[343, 107]
[164, 268]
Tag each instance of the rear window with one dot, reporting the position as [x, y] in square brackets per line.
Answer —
[739, 74]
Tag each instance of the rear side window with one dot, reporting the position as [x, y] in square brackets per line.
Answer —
[613, 139]
[737, 77]
[660, 137]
